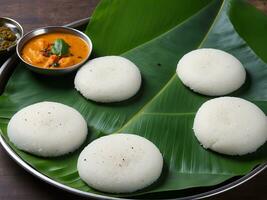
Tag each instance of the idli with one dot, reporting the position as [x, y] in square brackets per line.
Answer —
[108, 79]
[230, 125]
[211, 72]
[120, 163]
[47, 129]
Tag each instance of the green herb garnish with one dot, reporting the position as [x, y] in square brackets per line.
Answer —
[7, 38]
[56, 64]
[60, 48]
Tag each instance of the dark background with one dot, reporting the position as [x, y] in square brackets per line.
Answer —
[16, 183]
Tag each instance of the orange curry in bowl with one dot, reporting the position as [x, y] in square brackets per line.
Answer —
[55, 50]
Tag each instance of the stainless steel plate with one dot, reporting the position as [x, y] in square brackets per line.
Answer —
[5, 72]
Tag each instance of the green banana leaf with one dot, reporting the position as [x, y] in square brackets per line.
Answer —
[155, 34]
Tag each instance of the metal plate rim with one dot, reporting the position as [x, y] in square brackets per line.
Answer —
[52, 182]
[61, 186]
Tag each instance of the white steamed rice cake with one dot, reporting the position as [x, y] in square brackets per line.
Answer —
[47, 129]
[108, 79]
[230, 125]
[120, 163]
[211, 72]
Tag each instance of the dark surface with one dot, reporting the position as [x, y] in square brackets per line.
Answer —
[17, 184]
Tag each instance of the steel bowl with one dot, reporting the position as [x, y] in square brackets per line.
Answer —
[53, 29]
[16, 29]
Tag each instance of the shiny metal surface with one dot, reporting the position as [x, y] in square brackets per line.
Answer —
[7, 68]
[15, 27]
[203, 195]
[53, 29]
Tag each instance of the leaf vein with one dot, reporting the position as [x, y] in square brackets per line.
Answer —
[168, 114]
[173, 77]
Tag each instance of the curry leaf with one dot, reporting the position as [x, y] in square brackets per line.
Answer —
[60, 48]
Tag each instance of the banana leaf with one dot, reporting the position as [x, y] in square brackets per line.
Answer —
[155, 34]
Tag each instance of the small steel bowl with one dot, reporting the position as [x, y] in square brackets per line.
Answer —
[16, 29]
[53, 29]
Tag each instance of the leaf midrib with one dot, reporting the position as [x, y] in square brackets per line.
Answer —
[168, 114]
[136, 114]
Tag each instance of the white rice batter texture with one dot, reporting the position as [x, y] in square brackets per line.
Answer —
[108, 79]
[120, 163]
[230, 125]
[47, 129]
[211, 72]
